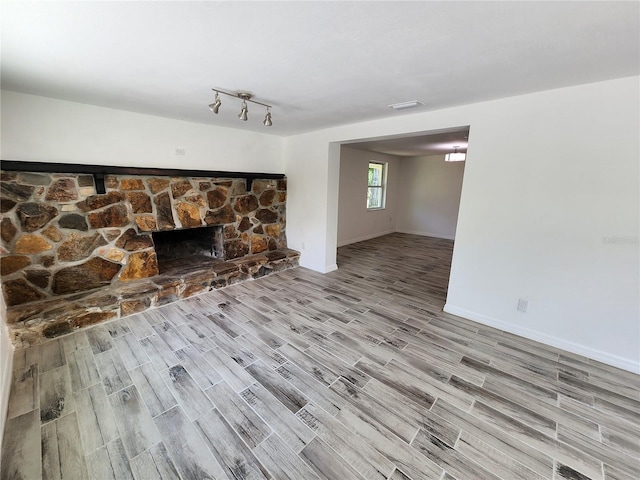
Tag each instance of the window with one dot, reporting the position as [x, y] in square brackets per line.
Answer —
[376, 179]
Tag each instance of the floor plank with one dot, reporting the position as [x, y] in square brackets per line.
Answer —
[190, 455]
[21, 447]
[62, 455]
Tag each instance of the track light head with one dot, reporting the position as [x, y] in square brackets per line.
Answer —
[243, 113]
[215, 106]
[267, 119]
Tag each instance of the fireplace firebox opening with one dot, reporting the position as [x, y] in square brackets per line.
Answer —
[177, 247]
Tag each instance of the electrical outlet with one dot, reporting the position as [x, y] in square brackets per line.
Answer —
[180, 151]
[522, 305]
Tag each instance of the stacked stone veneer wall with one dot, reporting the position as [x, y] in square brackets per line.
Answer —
[59, 237]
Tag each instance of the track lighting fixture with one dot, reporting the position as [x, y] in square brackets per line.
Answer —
[244, 110]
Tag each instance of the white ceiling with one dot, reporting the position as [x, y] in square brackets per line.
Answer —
[433, 143]
[320, 64]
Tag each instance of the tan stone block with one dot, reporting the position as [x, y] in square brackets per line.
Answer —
[111, 234]
[245, 204]
[35, 215]
[114, 254]
[140, 265]
[178, 189]
[197, 200]
[131, 241]
[258, 244]
[95, 272]
[63, 190]
[272, 230]
[68, 207]
[85, 181]
[146, 223]
[114, 216]
[157, 184]
[131, 184]
[52, 233]
[92, 318]
[77, 246]
[111, 181]
[221, 216]
[259, 186]
[86, 191]
[95, 202]
[238, 187]
[129, 307]
[282, 197]
[164, 212]
[32, 244]
[235, 249]
[140, 202]
[189, 215]
[194, 289]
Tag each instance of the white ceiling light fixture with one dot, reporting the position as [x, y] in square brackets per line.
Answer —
[244, 111]
[455, 156]
[406, 105]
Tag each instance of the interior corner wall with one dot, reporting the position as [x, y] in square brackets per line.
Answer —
[40, 129]
[6, 368]
[430, 196]
[355, 222]
[549, 212]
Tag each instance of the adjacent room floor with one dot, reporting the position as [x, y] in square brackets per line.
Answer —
[357, 374]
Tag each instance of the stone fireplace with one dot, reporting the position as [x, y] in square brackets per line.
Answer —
[147, 240]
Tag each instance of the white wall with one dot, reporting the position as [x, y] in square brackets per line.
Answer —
[430, 196]
[549, 178]
[6, 367]
[42, 129]
[355, 222]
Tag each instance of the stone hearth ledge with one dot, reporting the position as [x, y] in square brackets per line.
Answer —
[35, 322]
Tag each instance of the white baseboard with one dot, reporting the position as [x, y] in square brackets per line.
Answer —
[366, 237]
[427, 234]
[330, 268]
[604, 357]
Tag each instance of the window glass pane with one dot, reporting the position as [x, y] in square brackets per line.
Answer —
[375, 174]
[374, 197]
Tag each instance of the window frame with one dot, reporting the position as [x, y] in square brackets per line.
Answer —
[382, 187]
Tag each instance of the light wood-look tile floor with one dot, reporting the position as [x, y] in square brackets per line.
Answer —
[357, 374]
